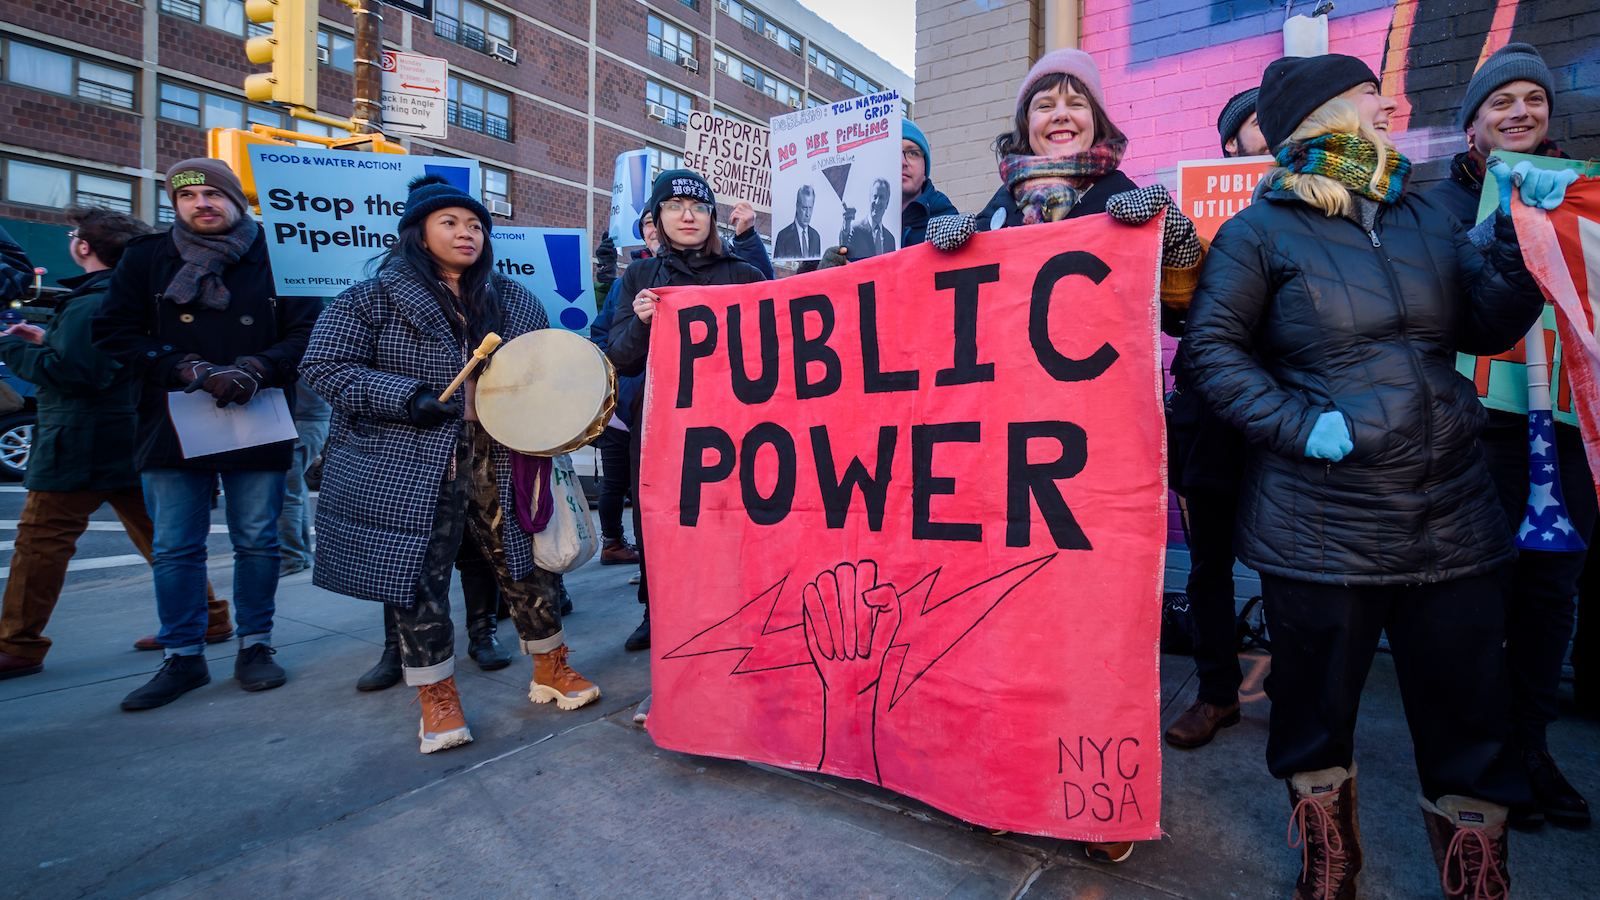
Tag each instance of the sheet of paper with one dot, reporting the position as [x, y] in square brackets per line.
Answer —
[203, 429]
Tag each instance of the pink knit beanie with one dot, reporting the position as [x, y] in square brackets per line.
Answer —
[1067, 61]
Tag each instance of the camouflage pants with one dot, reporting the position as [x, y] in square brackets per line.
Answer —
[469, 503]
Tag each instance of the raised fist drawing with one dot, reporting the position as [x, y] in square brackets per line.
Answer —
[850, 621]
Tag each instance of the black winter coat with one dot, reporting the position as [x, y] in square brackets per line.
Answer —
[1298, 314]
[149, 334]
[84, 437]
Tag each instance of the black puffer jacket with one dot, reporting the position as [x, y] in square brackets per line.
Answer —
[1298, 314]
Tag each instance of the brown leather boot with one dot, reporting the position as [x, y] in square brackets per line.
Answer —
[618, 553]
[1200, 723]
[215, 634]
[1324, 809]
[1469, 846]
[443, 724]
[554, 680]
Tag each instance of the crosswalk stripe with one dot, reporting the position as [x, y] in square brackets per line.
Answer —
[99, 562]
[11, 525]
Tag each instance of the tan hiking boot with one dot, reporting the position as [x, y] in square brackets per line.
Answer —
[1200, 723]
[1114, 852]
[554, 680]
[443, 724]
[1324, 809]
[1469, 846]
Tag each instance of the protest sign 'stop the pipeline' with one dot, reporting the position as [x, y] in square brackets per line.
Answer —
[354, 236]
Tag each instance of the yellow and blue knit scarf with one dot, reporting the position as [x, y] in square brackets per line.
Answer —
[1350, 160]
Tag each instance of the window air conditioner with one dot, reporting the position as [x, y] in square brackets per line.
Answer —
[657, 111]
[500, 208]
[504, 51]
[795, 103]
[322, 55]
[689, 63]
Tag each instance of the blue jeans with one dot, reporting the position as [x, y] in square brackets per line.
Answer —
[179, 501]
[294, 525]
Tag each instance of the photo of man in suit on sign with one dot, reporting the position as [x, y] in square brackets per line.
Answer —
[870, 239]
[789, 243]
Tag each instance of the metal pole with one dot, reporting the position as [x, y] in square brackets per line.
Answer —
[367, 116]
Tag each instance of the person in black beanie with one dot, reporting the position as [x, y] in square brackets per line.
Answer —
[1325, 328]
[1507, 107]
[1238, 128]
[685, 214]
[408, 474]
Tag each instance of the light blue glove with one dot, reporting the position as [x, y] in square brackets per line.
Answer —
[1541, 188]
[1330, 439]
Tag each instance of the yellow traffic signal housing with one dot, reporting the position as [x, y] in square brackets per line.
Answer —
[232, 146]
[291, 49]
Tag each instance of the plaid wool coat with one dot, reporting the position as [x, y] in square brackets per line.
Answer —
[372, 349]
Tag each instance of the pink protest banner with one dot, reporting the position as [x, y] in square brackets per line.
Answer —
[906, 523]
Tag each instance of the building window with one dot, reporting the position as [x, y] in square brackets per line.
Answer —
[762, 81]
[692, 4]
[205, 110]
[470, 24]
[496, 187]
[761, 25]
[663, 160]
[341, 50]
[183, 9]
[59, 73]
[223, 15]
[668, 41]
[165, 213]
[476, 108]
[824, 63]
[54, 188]
[813, 100]
[678, 105]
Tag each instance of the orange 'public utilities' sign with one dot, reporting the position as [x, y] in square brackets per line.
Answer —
[906, 523]
[1212, 191]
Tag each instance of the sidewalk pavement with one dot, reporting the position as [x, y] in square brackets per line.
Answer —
[314, 790]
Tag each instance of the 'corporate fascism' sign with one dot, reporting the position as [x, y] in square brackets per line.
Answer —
[733, 156]
[327, 213]
[910, 521]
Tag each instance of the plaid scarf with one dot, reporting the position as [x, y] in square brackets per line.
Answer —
[1350, 160]
[205, 258]
[1046, 188]
[1468, 168]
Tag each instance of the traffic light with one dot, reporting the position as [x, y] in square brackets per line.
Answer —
[291, 49]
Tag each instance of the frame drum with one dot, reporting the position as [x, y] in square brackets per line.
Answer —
[546, 393]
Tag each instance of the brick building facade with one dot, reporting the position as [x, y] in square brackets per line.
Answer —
[1168, 66]
[99, 97]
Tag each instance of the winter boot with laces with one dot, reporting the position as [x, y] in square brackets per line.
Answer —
[554, 680]
[177, 676]
[254, 669]
[443, 724]
[1324, 810]
[1469, 839]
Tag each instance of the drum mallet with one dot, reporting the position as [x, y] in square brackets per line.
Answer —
[490, 341]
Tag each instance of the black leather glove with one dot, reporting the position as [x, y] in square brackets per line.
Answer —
[229, 384]
[605, 268]
[428, 411]
[191, 372]
[834, 257]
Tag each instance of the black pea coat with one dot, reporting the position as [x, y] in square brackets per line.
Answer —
[1298, 314]
[137, 326]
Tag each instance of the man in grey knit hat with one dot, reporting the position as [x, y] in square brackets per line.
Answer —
[1507, 107]
[1237, 125]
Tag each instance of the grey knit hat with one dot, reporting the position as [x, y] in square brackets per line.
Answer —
[1513, 62]
[1235, 114]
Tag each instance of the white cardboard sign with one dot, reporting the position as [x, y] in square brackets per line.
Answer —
[836, 178]
[415, 94]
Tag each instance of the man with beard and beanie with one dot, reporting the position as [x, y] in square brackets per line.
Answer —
[1238, 127]
[1507, 107]
[82, 449]
[1208, 465]
[190, 310]
[685, 213]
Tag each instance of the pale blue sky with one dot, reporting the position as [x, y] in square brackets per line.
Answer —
[886, 27]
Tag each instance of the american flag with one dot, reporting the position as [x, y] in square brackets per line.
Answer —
[1562, 250]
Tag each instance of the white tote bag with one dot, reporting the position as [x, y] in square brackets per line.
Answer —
[569, 540]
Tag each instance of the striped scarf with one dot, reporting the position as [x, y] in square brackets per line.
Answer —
[1350, 160]
[1046, 188]
[205, 258]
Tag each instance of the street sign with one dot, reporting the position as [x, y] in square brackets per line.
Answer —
[414, 94]
[423, 8]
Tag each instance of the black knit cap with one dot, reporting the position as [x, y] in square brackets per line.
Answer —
[1235, 114]
[1294, 87]
[431, 193]
[680, 183]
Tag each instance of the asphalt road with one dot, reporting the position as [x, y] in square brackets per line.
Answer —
[104, 551]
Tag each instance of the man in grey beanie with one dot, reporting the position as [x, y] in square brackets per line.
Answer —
[1507, 107]
[1238, 128]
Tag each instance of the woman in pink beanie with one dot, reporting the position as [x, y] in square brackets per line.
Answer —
[1059, 161]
